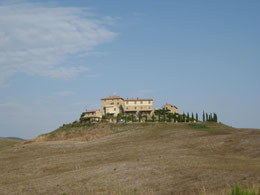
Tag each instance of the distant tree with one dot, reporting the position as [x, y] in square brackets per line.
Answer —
[192, 117]
[170, 116]
[210, 117]
[162, 112]
[140, 116]
[203, 116]
[197, 117]
[132, 118]
[119, 117]
[153, 118]
[216, 118]
[82, 115]
[179, 118]
[207, 117]
[175, 117]
[145, 116]
[183, 117]
[188, 117]
[158, 113]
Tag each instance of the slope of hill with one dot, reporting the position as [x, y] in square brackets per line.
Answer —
[149, 159]
[6, 143]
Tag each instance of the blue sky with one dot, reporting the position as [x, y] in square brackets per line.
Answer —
[58, 58]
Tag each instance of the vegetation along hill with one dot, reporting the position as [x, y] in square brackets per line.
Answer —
[133, 158]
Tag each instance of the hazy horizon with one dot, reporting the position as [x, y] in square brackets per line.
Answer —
[58, 58]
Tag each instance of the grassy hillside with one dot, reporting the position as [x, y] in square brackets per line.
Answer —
[8, 143]
[157, 158]
[91, 131]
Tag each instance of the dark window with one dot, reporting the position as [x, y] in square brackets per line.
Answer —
[141, 102]
[114, 109]
[135, 107]
[135, 102]
[149, 102]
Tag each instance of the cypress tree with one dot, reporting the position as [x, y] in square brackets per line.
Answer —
[179, 118]
[215, 118]
[207, 117]
[197, 117]
[170, 117]
[183, 117]
[174, 117]
[153, 117]
[192, 117]
[140, 116]
[188, 117]
[203, 116]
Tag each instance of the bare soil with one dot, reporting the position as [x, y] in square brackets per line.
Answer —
[136, 159]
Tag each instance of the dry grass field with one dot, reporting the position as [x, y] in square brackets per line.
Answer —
[133, 159]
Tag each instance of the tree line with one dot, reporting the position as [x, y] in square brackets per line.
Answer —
[160, 115]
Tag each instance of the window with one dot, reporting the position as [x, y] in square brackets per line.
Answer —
[141, 102]
[135, 102]
[117, 103]
[127, 108]
[135, 107]
[126, 102]
[141, 107]
[149, 102]
[114, 109]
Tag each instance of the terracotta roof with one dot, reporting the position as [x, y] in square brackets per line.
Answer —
[89, 111]
[112, 97]
[137, 99]
[170, 105]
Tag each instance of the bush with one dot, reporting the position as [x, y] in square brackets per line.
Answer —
[198, 126]
[238, 191]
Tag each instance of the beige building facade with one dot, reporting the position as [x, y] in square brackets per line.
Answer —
[173, 109]
[136, 106]
[112, 105]
[93, 115]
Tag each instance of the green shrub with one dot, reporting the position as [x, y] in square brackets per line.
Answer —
[238, 191]
[198, 126]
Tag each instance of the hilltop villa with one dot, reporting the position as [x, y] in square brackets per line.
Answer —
[114, 105]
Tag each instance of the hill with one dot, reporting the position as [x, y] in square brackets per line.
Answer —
[147, 158]
[6, 143]
[17, 138]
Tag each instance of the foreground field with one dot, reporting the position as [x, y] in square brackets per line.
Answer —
[136, 159]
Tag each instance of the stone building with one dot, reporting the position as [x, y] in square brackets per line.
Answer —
[93, 115]
[112, 105]
[136, 106]
[173, 109]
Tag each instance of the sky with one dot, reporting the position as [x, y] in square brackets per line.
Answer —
[60, 57]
